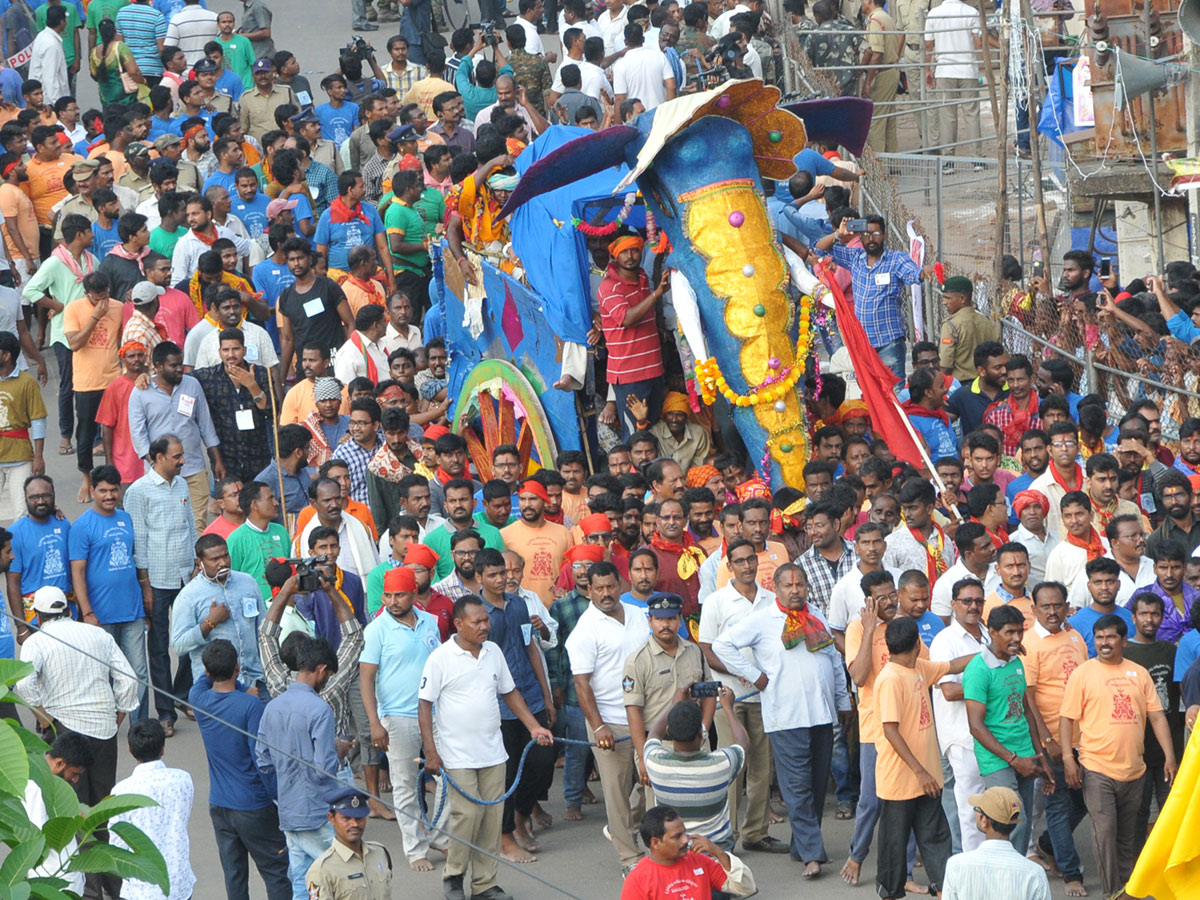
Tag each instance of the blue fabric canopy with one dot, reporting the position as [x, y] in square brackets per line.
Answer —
[555, 254]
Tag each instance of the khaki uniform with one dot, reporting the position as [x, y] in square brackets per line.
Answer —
[882, 38]
[258, 111]
[652, 676]
[326, 152]
[76, 205]
[222, 103]
[189, 175]
[961, 334]
[340, 874]
[136, 182]
[910, 18]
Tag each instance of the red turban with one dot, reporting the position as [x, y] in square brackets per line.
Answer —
[433, 432]
[420, 555]
[1024, 498]
[585, 553]
[536, 488]
[595, 522]
[399, 579]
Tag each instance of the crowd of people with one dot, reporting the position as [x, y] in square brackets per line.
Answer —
[237, 285]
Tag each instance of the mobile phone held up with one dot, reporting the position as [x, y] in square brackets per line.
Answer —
[705, 689]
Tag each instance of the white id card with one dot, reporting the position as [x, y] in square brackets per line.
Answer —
[314, 307]
[883, 279]
[526, 633]
[244, 419]
[252, 353]
[187, 403]
[250, 607]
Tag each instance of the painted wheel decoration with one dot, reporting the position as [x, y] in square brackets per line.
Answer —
[497, 405]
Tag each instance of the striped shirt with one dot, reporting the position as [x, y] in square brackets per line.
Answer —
[190, 29]
[143, 27]
[994, 871]
[80, 677]
[634, 351]
[696, 784]
[879, 290]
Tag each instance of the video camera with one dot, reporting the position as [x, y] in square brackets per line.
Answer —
[358, 48]
[308, 574]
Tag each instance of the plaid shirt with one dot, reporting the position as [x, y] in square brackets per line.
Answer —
[1000, 414]
[822, 576]
[356, 457]
[143, 329]
[452, 587]
[321, 177]
[164, 529]
[879, 307]
[565, 611]
[403, 81]
[278, 676]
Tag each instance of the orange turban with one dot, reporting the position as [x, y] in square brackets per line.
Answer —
[399, 579]
[420, 555]
[699, 476]
[595, 522]
[433, 432]
[854, 409]
[585, 553]
[676, 402]
[626, 242]
[1024, 498]
[130, 346]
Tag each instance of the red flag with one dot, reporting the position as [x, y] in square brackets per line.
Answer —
[874, 378]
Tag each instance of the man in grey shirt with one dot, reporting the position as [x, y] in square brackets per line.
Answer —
[256, 25]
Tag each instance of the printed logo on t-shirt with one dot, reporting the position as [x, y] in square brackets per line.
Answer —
[52, 555]
[118, 556]
[1123, 707]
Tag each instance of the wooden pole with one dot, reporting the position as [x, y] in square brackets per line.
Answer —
[1034, 66]
[275, 432]
[1000, 120]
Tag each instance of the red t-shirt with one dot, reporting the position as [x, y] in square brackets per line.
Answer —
[440, 607]
[114, 412]
[221, 526]
[176, 313]
[692, 878]
[634, 351]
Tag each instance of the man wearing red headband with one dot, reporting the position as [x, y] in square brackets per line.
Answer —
[542, 544]
[395, 646]
[627, 317]
[1031, 508]
[422, 561]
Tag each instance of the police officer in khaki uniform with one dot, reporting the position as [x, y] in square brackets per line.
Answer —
[910, 19]
[351, 869]
[964, 330]
[84, 173]
[658, 669]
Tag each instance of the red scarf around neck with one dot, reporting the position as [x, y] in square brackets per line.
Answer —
[339, 212]
[916, 409]
[935, 561]
[1022, 419]
[1062, 484]
[372, 370]
[1093, 545]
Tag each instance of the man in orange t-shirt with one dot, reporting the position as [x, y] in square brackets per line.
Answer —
[542, 544]
[1052, 653]
[20, 224]
[1012, 565]
[908, 767]
[1111, 698]
[46, 168]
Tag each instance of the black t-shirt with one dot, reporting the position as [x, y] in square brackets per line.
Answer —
[1159, 660]
[122, 274]
[314, 314]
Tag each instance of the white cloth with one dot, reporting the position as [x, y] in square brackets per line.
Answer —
[720, 26]
[642, 74]
[533, 40]
[967, 783]
[48, 65]
[190, 29]
[804, 688]
[1065, 564]
[752, 61]
[592, 80]
[598, 646]
[349, 363]
[950, 716]
[166, 824]
[1039, 551]
[56, 860]
[939, 596]
[463, 690]
[953, 27]
[905, 552]
[722, 610]
[358, 553]
[189, 249]
[260, 349]
[708, 574]
[589, 29]
[613, 29]
[994, 871]
[149, 209]
[393, 340]
[80, 677]
[1079, 597]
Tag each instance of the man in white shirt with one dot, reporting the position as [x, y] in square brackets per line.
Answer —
[529, 14]
[574, 14]
[69, 757]
[364, 354]
[994, 870]
[643, 73]
[1031, 508]
[846, 600]
[919, 542]
[48, 63]
[607, 634]
[1127, 545]
[592, 79]
[977, 559]
[952, 37]
[962, 637]
[720, 26]
[460, 682]
[611, 23]
[353, 550]
[1065, 563]
[400, 330]
[166, 822]
[802, 697]
[723, 609]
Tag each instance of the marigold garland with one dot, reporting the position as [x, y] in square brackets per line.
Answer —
[609, 227]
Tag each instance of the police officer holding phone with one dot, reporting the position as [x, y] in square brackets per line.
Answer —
[351, 869]
[658, 669]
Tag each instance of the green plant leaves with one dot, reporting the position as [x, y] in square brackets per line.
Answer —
[144, 862]
[14, 761]
[113, 806]
[21, 859]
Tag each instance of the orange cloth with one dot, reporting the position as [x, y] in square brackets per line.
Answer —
[46, 184]
[360, 294]
[870, 730]
[574, 506]
[699, 476]
[95, 364]
[1049, 661]
[902, 695]
[1024, 604]
[544, 548]
[771, 558]
[355, 508]
[1110, 704]
[298, 403]
[480, 214]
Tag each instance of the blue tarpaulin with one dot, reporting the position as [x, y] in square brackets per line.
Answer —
[1058, 110]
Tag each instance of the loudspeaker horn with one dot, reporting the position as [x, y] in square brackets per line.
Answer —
[1135, 76]
[1189, 20]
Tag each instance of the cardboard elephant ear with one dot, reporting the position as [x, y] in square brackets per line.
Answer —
[575, 159]
[842, 120]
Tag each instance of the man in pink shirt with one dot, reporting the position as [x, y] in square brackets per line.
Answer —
[176, 312]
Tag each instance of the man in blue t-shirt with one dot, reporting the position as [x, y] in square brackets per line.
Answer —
[39, 546]
[338, 117]
[106, 582]
[350, 222]
[241, 806]
[912, 591]
[248, 203]
[1103, 584]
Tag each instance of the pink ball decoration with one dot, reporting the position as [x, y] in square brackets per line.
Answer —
[773, 362]
[723, 101]
[737, 218]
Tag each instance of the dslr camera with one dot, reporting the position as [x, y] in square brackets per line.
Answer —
[308, 574]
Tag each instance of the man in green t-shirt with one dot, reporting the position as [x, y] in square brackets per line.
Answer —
[458, 505]
[239, 52]
[1008, 731]
[97, 12]
[260, 537]
[406, 237]
[172, 209]
[70, 36]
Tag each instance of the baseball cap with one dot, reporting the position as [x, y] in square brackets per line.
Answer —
[49, 599]
[263, 65]
[275, 207]
[1000, 804]
[144, 292]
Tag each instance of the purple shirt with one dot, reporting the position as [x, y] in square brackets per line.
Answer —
[1174, 626]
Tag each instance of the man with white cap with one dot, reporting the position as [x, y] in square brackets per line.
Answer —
[141, 326]
[994, 870]
[80, 682]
